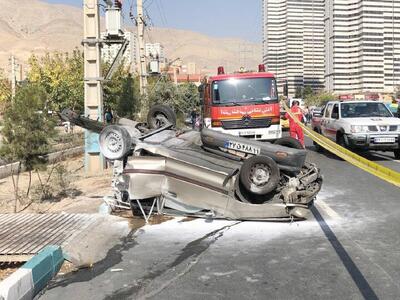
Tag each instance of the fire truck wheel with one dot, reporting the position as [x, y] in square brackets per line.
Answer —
[259, 175]
[289, 142]
[161, 115]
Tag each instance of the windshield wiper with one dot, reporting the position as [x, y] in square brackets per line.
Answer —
[232, 104]
[266, 101]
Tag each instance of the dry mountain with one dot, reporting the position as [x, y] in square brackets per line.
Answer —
[33, 26]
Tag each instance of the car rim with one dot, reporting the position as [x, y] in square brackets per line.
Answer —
[114, 142]
[260, 175]
[161, 120]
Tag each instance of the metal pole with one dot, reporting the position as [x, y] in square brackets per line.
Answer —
[142, 56]
[94, 162]
[13, 77]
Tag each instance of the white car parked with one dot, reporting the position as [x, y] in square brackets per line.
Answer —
[360, 125]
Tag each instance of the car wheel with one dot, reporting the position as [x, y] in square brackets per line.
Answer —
[396, 153]
[160, 116]
[259, 175]
[340, 140]
[289, 142]
[317, 146]
[115, 142]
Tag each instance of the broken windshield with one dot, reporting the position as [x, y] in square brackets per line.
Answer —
[242, 91]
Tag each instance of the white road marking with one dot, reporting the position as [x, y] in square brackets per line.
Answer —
[321, 204]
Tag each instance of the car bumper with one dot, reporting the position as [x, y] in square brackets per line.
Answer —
[365, 141]
[271, 133]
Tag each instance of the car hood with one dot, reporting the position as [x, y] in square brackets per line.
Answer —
[373, 121]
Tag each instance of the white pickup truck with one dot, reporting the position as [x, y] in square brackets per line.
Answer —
[363, 125]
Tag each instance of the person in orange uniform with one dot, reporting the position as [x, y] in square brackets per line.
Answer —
[295, 129]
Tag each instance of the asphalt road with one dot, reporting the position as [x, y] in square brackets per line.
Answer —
[349, 249]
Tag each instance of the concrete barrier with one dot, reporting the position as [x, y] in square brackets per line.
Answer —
[6, 170]
[33, 276]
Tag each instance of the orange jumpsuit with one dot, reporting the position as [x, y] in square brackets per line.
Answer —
[295, 130]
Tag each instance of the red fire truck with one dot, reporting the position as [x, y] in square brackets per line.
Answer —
[242, 104]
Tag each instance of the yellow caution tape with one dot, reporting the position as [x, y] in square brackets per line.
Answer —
[375, 169]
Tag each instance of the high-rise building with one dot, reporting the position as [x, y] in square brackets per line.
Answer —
[293, 42]
[362, 45]
[110, 51]
[155, 50]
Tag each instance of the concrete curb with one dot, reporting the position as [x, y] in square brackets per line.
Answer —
[33, 276]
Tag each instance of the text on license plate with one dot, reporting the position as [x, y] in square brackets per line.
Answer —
[385, 140]
[242, 147]
[248, 132]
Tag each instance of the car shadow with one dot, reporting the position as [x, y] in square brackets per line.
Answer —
[351, 267]
[371, 156]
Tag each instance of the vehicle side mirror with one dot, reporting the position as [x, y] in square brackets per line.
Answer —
[335, 115]
[201, 93]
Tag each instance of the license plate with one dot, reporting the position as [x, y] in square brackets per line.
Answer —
[242, 147]
[242, 133]
[385, 140]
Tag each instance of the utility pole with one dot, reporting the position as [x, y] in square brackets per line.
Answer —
[142, 55]
[13, 77]
[94, 161]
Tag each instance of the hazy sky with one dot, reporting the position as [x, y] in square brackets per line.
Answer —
[222, 18]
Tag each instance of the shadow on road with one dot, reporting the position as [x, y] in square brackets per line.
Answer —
[354, 271]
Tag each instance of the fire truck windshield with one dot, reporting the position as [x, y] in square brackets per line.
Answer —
[242, 91]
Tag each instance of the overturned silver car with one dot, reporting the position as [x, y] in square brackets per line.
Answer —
[205, 173]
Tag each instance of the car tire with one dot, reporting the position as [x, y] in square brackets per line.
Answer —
[289, 142]
[259, 175]
[317, 146]
[396, 153]
[115, 142]
[160, 115]
[340, 141]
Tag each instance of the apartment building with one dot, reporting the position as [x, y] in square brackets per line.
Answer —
[109, 51]
[293, 42]
[362, 40]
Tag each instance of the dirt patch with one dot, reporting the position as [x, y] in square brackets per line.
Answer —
[84, 196]
[6, 269]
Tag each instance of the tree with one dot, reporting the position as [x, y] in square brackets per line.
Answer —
[299, 92]
[5, 91]
[307, 92]
[319, 99]
[190, 98]
[397, 92]
[183, 98]
[61, 76]
[27, 131]
[128, 102]
[121, 93]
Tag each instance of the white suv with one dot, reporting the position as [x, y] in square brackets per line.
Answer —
[359, 125]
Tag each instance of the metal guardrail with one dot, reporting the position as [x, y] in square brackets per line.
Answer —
[373, 168]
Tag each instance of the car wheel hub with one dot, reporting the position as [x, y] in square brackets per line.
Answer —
[161, 120]
[260, 175]
[114, 142]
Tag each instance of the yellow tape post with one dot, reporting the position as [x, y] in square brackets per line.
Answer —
[373, 168]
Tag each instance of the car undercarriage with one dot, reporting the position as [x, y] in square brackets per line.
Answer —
[204, 173]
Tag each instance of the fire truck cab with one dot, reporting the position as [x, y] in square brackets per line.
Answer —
[244, 104]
